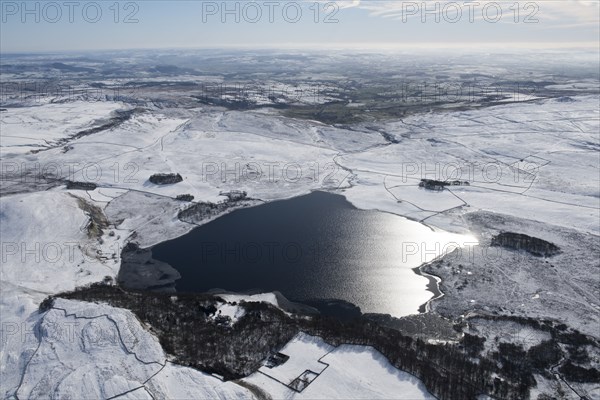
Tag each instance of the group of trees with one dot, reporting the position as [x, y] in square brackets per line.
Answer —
[201, 211]
[518, 241]
[185, 325]
[184, 197]
[576, 373]
[165, 179]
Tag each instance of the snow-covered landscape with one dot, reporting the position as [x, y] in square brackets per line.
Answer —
[76, 192]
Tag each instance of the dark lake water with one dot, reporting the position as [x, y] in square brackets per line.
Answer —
[317, 246]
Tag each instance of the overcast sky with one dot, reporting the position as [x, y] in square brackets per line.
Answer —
[87, 25]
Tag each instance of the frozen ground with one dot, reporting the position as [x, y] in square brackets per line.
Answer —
[537, 161]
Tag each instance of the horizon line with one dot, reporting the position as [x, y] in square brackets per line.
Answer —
[363, 46]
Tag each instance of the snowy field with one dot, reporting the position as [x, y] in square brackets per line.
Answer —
[537, 159]
[35, 128]
[342, 372]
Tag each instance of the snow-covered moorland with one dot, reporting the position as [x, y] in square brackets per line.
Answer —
[536, 160]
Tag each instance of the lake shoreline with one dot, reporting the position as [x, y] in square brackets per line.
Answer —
[433, 286]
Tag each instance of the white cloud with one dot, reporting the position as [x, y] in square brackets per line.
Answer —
[558, 13]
